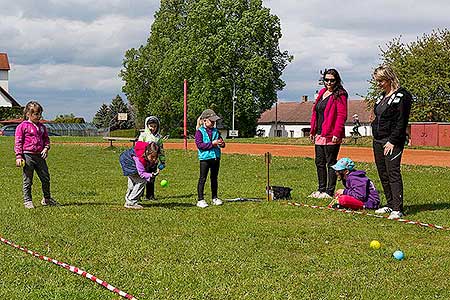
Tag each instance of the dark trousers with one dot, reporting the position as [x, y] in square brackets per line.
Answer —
[326, 156]
[34, 162]
[150, 185]
[150, 189]
[388, 167]
[205, 166]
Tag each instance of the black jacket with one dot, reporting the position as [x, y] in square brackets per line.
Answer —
[391, 124]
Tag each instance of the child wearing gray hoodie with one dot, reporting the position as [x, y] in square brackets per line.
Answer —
[151, 134]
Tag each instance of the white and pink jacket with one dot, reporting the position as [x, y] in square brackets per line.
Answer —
[30, 138]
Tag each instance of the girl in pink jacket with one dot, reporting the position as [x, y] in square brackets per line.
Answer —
[31, 147]
[328, 118]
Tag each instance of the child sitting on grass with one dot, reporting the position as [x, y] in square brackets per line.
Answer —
[359, 192]
[140, 165]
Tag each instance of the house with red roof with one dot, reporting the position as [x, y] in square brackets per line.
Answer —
[292, 119]
[6, 100]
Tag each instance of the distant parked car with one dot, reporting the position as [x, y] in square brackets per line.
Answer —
[10, 130]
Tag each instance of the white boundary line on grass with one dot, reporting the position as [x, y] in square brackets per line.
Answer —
[71, 269]
[348, 211]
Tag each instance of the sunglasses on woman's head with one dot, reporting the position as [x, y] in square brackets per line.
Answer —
[329, 80]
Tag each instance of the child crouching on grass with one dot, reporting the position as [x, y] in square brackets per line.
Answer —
[140, 165]
[359, 192]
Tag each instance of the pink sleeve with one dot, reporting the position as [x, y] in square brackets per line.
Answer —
[45, 138]
[141, 169]
[19, 139]
[341, 117]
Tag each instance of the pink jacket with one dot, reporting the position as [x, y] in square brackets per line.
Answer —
[335, 115]
[30, 138]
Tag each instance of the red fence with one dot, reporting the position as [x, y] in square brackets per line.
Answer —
[430, 134]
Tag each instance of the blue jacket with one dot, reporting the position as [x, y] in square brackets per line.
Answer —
[213, 152]
[359, 186]
[127, 163]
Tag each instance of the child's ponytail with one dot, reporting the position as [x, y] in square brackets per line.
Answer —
[199, 123]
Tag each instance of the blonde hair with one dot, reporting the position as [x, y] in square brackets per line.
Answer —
[199, 123]
[385, 72]
[32, 107]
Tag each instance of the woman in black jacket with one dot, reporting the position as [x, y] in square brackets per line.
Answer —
[391, 111]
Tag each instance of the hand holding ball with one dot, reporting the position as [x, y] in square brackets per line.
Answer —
[20, 163]
[164, 183]
[375, 244]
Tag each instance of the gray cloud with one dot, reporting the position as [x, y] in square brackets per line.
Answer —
[347, 35]
[79, 10]
[68, 53]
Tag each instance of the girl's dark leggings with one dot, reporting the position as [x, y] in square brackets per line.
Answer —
[205, 165]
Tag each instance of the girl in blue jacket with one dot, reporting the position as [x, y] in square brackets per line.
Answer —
[209, 142]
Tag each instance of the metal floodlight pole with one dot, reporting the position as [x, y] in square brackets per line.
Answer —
[185, 115]
[234, 102]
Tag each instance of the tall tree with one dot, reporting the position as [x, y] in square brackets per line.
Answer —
[102, 117]
[118, 106]
[218, 45]
[423, 68]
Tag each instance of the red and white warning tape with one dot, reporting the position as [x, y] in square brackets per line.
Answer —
[348, 211]
[71, 269]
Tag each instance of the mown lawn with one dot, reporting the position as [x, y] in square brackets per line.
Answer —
[247, 250]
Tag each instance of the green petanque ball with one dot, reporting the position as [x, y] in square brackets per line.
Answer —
[164, 183]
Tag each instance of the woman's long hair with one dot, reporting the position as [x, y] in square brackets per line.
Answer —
[338, 89]
[385, 72]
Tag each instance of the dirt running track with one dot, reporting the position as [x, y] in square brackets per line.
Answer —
[410, 156]
[362, 154]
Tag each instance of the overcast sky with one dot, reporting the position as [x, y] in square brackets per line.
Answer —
[67, 53]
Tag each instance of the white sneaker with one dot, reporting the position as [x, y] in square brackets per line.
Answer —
[217, 201]
[28, 204]
[324, 196]
[315, 194]
[384, 210]
[202, 204]
[395, 215]
[133, 206]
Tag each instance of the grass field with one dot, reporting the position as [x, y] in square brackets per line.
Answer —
[248, 250]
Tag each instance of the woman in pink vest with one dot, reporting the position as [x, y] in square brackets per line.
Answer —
[329, 114]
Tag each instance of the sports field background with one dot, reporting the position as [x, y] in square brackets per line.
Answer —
[249, 250]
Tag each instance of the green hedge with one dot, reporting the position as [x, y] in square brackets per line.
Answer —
[131, 133]
[7, 113]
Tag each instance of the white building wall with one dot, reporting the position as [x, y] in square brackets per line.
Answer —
[4, 79]
[4, 102]
[296, 131]
[364, 130]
